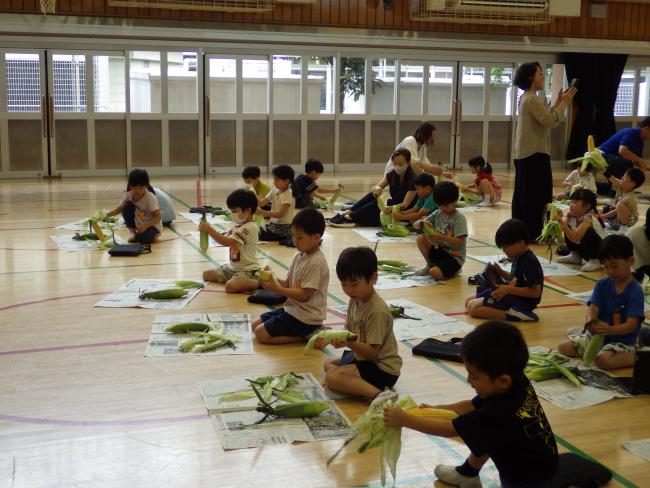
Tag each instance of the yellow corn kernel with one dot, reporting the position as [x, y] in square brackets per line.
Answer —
[432, 413]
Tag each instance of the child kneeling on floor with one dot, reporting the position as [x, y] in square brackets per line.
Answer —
[305, 286]
[372, 362]
[516, 299]
[583, 231]
[444, 250]
[504, 421]
[239, 274]
[615, 309]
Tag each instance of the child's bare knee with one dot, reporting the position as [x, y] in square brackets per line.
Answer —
[209, 275]
[231, 286]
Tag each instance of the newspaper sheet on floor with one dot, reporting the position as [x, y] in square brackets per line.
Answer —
[566, 395]
[549, 268]
[584, 296]
[81, 225]
[475, 208]
[640, 448]
[393, 281]
[196, 235]
[162, 343]
[370, 234]
[212, 219]
[235, 421]
[68, 244]
[430, 324]
[127, 295]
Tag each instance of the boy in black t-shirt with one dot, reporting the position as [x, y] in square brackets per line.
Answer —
[306, 187]
[516, 299]
[504, 421]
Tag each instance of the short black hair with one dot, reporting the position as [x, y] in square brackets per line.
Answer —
[645, 122]
[637, 176]
[425, 179]
[314, 165]
[511, 232]
[445, 192]
[310, 221]
[242, 199]
[252, 172]
[284, 172]
[356, 262]
[495, 348]
[525, 74]
[402, 151]
[138, 177]
[585, 196]
[615, 246]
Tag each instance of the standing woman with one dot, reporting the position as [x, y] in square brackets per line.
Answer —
[417, 145]
[533, 177]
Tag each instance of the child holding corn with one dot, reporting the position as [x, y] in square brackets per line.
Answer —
[306, 187]
[424, 183]
[504, 421]
[585, 179]
[252, 176]
[239, 274]
[305, 286]
[626, 211]
[516, 299]
[372, 362]
[444, 246]
[615, 309]
[283, 205]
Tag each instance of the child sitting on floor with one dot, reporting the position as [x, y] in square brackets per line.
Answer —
[626, 212]
[486, 185]
[504, 422]
[585, 179]
[582, 231]
[444, 250]
[140, 209]
[239, 274]
[283, 205]
[516, 299]
[252, 176]
[306, 187]
[305, 286]
[615, 309]
[372, 362]
[424, 183]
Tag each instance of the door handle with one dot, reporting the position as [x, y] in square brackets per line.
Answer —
[454, 105]
[459, 117]
[43, 116]
[206, 116]
[51, 116]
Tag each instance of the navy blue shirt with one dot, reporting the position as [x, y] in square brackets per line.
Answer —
[528, 272]
[630, 138]
[398, 189]
[630, 303]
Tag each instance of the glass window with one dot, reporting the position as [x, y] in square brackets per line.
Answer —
[255, 75]
[352, 79]
[320, 85]
[441, 82]
[144, 81]
[500, 90]
[383, 86]
[473, 89]
[23, 77]
[625, 94]
[109, 86]
[182, 89]
[223, 87]
[410, 88]
[644, 92]
[69, 82]
[286, 84]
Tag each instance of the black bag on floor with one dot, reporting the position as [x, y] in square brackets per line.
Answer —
[577, 472]
[433, 348]
[267, 298]
[129, 249]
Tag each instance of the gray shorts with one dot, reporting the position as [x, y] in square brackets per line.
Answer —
[580, 339]
[225, 273]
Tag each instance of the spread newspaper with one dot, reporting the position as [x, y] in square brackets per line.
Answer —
[128, 295]
[550, 268]
[163, 343]
[235, 421]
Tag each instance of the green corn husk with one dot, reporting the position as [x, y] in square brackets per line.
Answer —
[328, 336]
[552, 233]
[382, 202]
[549, 360]
[390, 262]
[189, 284]
[591, 351]
[237, 396]
[394, 229]
[542, 373]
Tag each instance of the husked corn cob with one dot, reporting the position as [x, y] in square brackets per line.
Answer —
[432, 413]
[167, 294]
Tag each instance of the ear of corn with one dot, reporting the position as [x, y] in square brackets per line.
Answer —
[590, 143]
[236, 396]
[427, 229]
[548, 360]
[167, 294]
[333, 198]
[264, 275]
[593, 156]
[382, 202]
[328, 336]
[204, 241]
[394, 263]
[593, 347]
[189, 284]
[552, 233]
[299, 410]
[97, 230]
[432, 413]
[187, 327]
[542, 373]
[394, 229]
[396, 311]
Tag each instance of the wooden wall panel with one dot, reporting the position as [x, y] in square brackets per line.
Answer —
[625, 21]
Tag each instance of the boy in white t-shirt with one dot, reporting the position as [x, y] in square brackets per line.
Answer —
[283, 205]
[238, 274]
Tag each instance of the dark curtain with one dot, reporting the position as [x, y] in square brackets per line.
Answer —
[599, 76]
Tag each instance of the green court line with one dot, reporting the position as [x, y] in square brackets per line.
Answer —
[439, 364]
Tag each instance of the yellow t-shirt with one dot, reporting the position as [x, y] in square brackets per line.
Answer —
[262, 189]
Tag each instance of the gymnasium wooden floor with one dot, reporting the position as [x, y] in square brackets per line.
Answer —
[81, 406]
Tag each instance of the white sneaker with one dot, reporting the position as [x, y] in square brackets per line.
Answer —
[591, 265]
[424, 271]
[486, 202]
[449, 475]
[572, 258]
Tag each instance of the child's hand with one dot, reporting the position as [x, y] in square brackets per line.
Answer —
[448, 174]
[141, 228]
[320, 344]
[388, 210]
[204, 226]
[377, 191]
[558, 215]
[500, 292]
[598, 327]
[271, 285]
[394, 416]
[417, 224]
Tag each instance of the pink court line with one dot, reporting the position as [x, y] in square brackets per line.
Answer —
[73, 346]
[557, 305]
[99, 423]
[34, 302]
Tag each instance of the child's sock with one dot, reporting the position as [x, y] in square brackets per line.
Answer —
[467, 470]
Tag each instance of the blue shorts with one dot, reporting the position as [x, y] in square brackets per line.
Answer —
[516, 308]
[280, 323]
[369, 371]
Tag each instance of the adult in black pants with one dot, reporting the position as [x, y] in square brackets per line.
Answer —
[623, 151]
[401, 185]
[533, 177]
